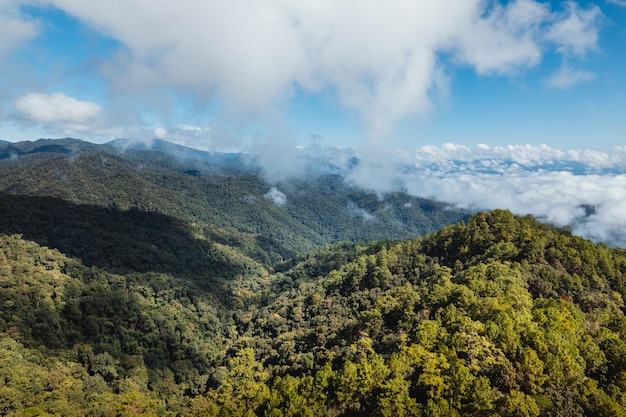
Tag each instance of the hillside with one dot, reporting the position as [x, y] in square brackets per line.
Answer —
[497, 316]
[219, 191]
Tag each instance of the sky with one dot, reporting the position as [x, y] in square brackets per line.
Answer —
[218, 75]
[512, 104]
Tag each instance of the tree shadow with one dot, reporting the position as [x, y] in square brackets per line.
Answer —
[117, 241]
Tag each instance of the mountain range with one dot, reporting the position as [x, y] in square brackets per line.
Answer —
[156, 280]
[217, 190]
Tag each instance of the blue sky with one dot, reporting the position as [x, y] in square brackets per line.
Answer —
[219, 75]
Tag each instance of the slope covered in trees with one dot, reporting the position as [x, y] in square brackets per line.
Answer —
[211, 193]
[497, 316]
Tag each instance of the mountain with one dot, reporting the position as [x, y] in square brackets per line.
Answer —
[137, 283]
[201, 189]
[497, 315]
[227, 162]
[207, 161]
[65, 145]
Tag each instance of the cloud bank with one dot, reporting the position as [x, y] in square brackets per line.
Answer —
[386, 60]
[581, 188]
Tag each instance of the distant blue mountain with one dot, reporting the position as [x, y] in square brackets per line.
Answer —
[65, 146]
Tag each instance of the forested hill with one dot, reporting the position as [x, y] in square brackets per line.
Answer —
[216, 191]
[496, 316]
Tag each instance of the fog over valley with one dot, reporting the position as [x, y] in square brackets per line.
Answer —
[583, 189]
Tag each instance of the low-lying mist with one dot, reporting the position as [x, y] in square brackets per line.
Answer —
[582, 189]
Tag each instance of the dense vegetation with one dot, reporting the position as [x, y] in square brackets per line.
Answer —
[501, 315]
[115, 310]
[318, 211]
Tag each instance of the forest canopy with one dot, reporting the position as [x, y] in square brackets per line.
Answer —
[500, 315]
[136, 284]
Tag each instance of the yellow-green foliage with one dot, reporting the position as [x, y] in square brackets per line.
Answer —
[498, 316]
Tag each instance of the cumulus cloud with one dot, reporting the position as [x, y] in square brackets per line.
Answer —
[618, 2]
[453, 157]
[386, 60]
[505, 39]
[607, 223]
[58, 114]
[56, 108]
[276, 196]
[376, 170]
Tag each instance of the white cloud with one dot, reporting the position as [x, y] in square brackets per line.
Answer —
[617, 2]
[276, 196]
[607, 223]
[191, 129]
[555, 185]
[56, 108]
[556, 197]
[376, 171]
[14, 27]
[383, 59]
[506, 39]
[577, 32]
[205, 137]
[566, 77]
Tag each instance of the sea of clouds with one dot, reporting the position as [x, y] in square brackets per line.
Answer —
[583, 189]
